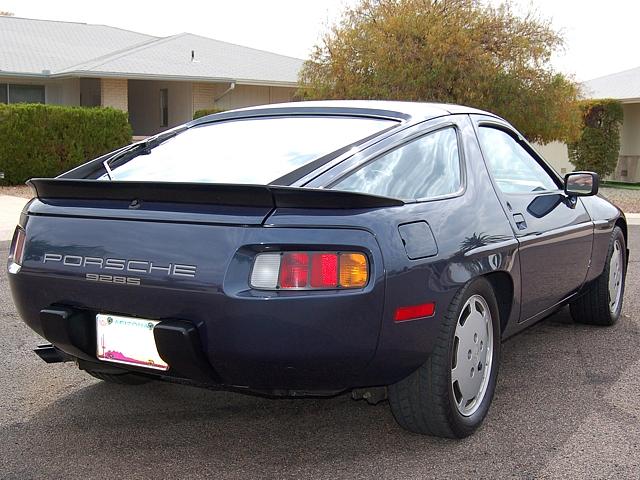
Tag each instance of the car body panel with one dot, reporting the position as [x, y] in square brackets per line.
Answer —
[244, 332]
[312, 341]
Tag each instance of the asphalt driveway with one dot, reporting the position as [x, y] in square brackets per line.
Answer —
[566, 405]
[10, 208]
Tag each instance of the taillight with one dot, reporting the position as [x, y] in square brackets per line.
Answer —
[324, 270]
[294, 270]
[16, 253]
[309, 270]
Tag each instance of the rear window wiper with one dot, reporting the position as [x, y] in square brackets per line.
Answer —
[141, 148]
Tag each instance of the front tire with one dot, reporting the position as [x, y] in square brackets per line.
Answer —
[450, 394]
[601, 303]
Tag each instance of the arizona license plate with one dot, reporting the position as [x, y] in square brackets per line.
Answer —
[128, 340]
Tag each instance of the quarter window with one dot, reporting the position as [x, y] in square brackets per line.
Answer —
[512, 167]
[424, 168]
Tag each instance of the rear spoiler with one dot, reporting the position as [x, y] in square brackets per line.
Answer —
[206, 193]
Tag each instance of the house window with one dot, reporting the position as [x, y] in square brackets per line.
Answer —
[11, 93]
[164, 107]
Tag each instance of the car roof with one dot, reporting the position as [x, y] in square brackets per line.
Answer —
[416, 111]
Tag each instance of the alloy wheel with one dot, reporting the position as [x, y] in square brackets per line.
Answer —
[472, 355]
[615, 277]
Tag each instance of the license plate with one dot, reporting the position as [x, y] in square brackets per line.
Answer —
[128, 340]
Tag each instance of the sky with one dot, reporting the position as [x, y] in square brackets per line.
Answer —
[601, 36]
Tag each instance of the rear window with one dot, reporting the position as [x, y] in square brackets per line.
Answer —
[256, 151]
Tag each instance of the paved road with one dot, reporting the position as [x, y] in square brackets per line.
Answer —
[10, 208]
[566, 405]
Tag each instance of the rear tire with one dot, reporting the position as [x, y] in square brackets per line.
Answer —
[601, 303]
[119, 378]
[438, 398]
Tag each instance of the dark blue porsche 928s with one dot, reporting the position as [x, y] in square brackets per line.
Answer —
[315, 248]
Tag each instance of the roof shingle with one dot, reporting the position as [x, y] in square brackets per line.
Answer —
[622, 86]
[66, 49]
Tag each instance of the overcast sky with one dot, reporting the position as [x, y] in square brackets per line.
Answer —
[601, 36]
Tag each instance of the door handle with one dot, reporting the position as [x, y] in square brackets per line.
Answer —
[521, 223]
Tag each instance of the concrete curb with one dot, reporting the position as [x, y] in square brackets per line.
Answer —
[633, 218]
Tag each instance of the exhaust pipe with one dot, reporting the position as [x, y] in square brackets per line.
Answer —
[51, 354]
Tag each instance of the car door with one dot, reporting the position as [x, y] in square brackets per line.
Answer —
[554, 231]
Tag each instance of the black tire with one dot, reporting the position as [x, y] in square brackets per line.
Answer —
[119, 378]
[592, 307]
[424, 402]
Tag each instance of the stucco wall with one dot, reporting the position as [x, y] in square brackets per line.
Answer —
[144, 105]
[63, 92]
[628, 168]
[556, 155]
[241, 96]
[630, 132]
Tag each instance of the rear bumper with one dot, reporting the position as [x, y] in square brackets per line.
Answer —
[178, 341]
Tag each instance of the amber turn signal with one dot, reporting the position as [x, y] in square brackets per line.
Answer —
[354, 271]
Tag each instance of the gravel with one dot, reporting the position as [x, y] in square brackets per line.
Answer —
[628, 200]
[23, 191]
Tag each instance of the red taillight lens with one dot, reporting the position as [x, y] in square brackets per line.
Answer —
[17, 246]
[324, 270]
[294, 270]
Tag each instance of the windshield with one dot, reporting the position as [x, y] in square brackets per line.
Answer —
[256, 151]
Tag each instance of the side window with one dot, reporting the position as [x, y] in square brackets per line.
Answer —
[423, 168]
[512, 167]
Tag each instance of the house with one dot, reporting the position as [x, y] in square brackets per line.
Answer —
[160, 82]
[622, 86]
[625, 87]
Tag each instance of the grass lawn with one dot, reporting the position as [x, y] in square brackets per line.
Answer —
[623, 185]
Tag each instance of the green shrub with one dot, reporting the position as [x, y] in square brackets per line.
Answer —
[206, 111]
[46, 140]
[598, 145]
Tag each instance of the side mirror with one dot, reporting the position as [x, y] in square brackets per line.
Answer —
[581, 184]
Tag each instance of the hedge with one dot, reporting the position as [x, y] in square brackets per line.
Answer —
[598, 146]
[45, 140]
[206, 111]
